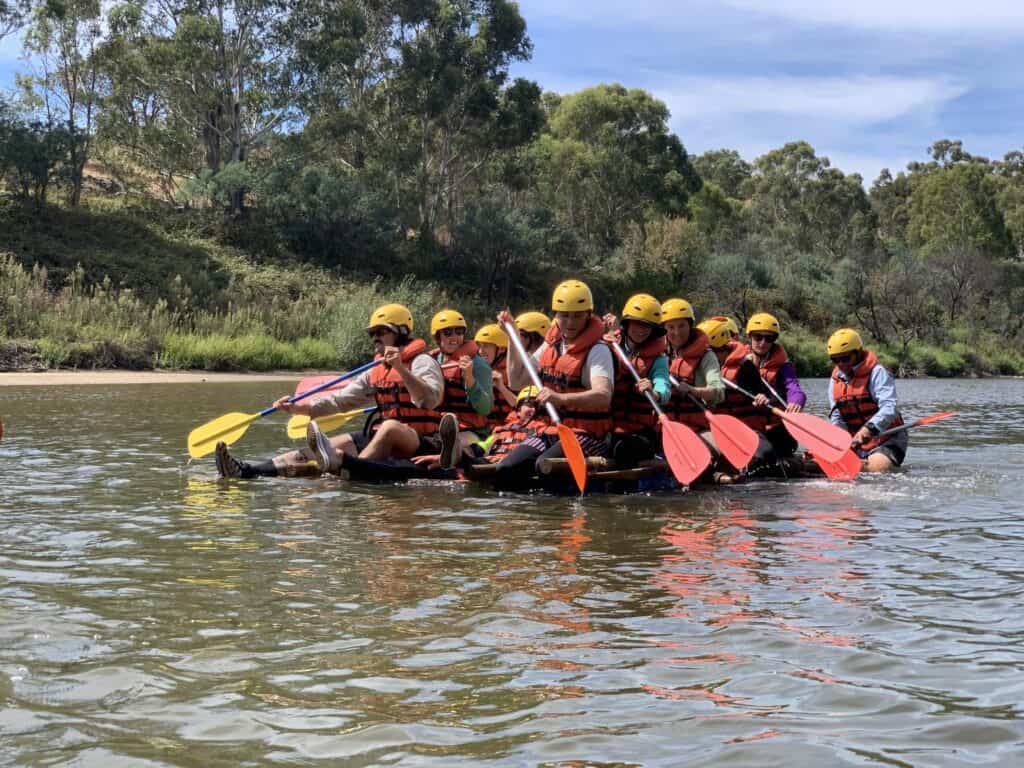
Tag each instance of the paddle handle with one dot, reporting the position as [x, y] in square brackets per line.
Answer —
[919, 423]
[513, 337]
[777, 411]
[617, 348]
[774, 392]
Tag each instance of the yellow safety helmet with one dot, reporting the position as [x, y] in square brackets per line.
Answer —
[446, 318]
[844, 340]
[395, 316]
[676, 309]
[762, 322]
[492, 334]
[717, 331]
[729, 323]
[642, 306]
[533, 322]
[526, 393]
[572, 296]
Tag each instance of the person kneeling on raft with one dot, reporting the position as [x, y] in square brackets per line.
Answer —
[634, 423]
[779, 376]
[577, 370]
[862, 400]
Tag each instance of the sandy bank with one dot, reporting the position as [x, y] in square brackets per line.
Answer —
[106, 378]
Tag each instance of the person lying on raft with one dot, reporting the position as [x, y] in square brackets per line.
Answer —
[779, 372]
[533, 328]
[577, 371]
[407, 389]
[862, 400]
[468, 389]
[492, 343]
[634, 434]
[693, 367]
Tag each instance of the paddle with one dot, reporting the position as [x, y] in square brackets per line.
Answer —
[821, 437]
[847, 468]
[231, 426]
[687, 455]
[919, 423]
[315, 381]
[297, 424]
[570, 443]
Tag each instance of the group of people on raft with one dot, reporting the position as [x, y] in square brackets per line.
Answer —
[470, 401]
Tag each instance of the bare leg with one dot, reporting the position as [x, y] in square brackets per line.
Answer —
[392, 440]
[878, 462]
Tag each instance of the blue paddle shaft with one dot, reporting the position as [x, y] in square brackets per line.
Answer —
[326, 385]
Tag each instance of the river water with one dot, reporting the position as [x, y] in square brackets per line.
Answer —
[151, 615]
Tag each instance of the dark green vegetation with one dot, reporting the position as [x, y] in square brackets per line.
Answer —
[222, 184]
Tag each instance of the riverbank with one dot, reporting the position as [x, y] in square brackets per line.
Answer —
[116, 378]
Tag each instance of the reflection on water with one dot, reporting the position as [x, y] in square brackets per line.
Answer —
[153, 615]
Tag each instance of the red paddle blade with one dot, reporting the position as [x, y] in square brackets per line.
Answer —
[737, 442]
[687, 455]
[574, 454]
[934, 417]
[846, 468]
[312, 382]
[820, 437]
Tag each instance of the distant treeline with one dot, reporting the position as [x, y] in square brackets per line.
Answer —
[388, 140]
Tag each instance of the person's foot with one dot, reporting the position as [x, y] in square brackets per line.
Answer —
[448, 429]
[228, 465]
[321, 448]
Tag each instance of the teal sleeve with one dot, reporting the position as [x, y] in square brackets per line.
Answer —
[660, 379]
[481, 394]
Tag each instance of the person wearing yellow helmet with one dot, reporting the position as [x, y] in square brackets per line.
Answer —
[730, 324]
[533, 327]
[862, 399]
[576, 367]
[634, 434]
[468, 389]
[492, 342]
[406, 389]
[692, 365]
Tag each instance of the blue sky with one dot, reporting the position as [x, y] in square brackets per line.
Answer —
[869, 83]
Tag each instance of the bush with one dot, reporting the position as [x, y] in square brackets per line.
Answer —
[256, 352]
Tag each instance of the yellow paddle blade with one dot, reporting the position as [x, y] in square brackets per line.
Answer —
[297, 424]
[227, 428]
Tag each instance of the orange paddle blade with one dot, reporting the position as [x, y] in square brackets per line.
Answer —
[574, 453]
[737, 442]
[687, 455]
[846, 468]
[820, 437]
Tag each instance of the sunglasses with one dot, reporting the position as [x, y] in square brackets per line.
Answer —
[763, 337]
[452, 331]
[842, 359]
[375, 332]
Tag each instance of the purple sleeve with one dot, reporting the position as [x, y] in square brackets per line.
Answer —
[790, 385]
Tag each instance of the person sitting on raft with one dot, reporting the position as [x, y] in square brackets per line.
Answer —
[862, 400]
[779, 375]
[533, 328]
[577, 371]
[693, 367]
[407, 389]
[468, 390]
[734, 330]
[492, 343]
[634, 423]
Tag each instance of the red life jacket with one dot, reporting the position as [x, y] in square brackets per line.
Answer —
[769, 370]
[510, 435]
[394, 400]
[630, 409]
[683, 365]
[455, 398]
[501, 409]
[854, 401]
[736, 403]
[564, 373]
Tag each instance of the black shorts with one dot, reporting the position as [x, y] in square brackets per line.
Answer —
[895, 452]
[429, 444]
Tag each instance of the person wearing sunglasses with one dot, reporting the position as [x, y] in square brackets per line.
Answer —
[862, 400]
[407, 390]
[779, 374]
[468, 389]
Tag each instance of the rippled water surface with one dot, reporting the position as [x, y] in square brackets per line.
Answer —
[151, 615]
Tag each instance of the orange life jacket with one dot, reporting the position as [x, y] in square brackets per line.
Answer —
[564, 373]
[630, 409]
[501, 409]
[769, 370]
[394, 400]
[455, 398]
[510, 435]
[736, 403]
[854, 402]
[683, 365]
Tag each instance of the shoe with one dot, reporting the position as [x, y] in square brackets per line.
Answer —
[228, 465]
[320, 446]
[448, 429]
